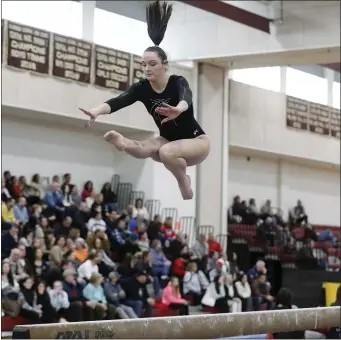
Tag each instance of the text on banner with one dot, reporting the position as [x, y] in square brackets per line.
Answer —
[137, 69]
[297, 113]
[71, 58]
[319, 118]
[335, 122]
[112, 68]
[28, 48]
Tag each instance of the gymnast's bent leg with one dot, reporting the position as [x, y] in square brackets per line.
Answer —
[143, 149]
[177, 155]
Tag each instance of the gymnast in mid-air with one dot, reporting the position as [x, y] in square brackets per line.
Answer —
[168, 99]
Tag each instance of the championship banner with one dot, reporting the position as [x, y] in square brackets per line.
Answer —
[71, 59]
[112, 68]
[28, 48]
[335, 122]
[319, 119]
[297, 113]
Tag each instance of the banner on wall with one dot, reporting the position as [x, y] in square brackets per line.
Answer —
[71, 59]
[112, 68]
[28, 48]
[316, 118]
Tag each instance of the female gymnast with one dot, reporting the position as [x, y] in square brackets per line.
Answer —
[168, 99]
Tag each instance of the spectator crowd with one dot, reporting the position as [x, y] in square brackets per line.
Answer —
[72, 256]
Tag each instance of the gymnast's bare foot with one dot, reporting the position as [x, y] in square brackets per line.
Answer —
[186, 188]
[116, 139]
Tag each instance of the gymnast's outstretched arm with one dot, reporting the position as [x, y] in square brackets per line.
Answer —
[125, 99]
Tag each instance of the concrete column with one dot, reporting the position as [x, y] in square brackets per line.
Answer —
[283, 86]
[88, 20]
[211, 105]
[329, 75]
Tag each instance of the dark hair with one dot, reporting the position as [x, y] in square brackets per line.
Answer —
[284, 298]
[157, 17]
[35, 178]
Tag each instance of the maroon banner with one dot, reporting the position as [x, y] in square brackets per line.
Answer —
[297, 113]
[335, 122]
[112, 68]
[28, 48]
[137, 69]
[71, 59]
[319, 119]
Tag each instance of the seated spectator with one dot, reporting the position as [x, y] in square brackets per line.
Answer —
[30, 309]
[60, 301]
[97, 223]
[266, 233]
[128, 267]
[66, 188]
[137, 295]
[94, 293]
[49, 314]
[261, 293]
[299, 215]
[143, 241]
[73, 286]
[57, 253]
[8, 283]
[13, 187]
[154, 228]
[194, 283]
[5, 195]
[81, 252]
[54, 199]
[9, 240]
[109, 197]
[20, 210]
[178, 247]
[40, 266]
[213, 257]
[107, 265]
[217, 270]
[236, 212]
[305, 257]
[258, 269]
[98, 205]
[7, 214]
[171, 297]
[243, 291]
[90, 266]
[75, 198]
[213, 244]
[35, 183]
[19, 267]
[167, 229]
[200, 252]
[252, 213]
[161, 265]
[116, 295]
[140, 211]
[266, 210]
[87, 191]
[215, 295]
[90, 200]
[234, 302]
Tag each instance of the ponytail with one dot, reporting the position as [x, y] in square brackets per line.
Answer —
[157, 16]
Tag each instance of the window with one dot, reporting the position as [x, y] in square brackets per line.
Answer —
[307, 86]
[120, 32]
[62, 17]
[268, 78]
[336, 95]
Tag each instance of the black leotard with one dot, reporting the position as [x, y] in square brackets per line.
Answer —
[183, 127]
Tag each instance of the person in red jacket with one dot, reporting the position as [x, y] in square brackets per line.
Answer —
[167, 229]
[214, 245]
[172, 298]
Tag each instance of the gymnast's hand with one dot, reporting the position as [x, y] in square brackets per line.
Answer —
[92, 114]
[171, 112]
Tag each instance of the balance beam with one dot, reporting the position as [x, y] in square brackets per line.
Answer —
[206, 326]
